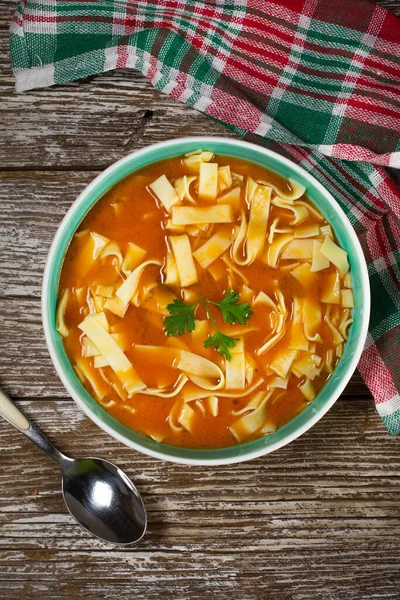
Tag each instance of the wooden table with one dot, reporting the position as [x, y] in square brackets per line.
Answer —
[318, 519]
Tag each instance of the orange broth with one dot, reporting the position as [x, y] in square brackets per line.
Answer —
[128, 212]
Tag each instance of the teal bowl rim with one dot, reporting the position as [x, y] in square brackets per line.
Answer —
[344, 232]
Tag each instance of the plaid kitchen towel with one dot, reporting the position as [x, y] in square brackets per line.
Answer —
[316, 80]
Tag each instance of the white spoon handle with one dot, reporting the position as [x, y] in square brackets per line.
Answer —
[9, 411]
[13, 415]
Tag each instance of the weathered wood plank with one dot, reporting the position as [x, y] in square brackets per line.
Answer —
[25, 365]
[286, 523]
[346, 461]
[89, 123]
[393, 5]
[33, 205]
[183, 568]
[218, 583]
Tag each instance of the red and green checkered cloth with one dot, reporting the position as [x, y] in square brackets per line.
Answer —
[317, 81]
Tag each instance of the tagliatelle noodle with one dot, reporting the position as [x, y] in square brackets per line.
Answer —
[187, 215]
[165, 192]
[61, 325]
[115, 357]
[252, 421]
[214, 247]
[129, 290]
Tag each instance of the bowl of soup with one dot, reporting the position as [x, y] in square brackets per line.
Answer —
[205, 300]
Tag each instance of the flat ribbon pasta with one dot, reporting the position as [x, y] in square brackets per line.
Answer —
[196, 393]
[129, 290]
[297, 190]
[250, 239]
[252, 421]
[115, 357]
[180, 382]
[201, 371]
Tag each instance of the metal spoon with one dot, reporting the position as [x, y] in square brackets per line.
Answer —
[100, 497]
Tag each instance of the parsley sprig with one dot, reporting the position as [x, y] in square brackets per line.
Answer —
[222, 343]
[181, 319]
[231, 311]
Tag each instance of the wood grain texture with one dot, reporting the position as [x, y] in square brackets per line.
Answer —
[89, 123]
[285, 524]
[319, 519]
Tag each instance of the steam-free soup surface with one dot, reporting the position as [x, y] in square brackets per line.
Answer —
[270, 246]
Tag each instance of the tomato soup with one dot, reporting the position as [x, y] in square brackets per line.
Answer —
[204, 301]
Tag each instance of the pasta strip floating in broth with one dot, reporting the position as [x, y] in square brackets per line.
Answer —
[182, 187]
[132, 259]
[179, 384]
[347, 299]
[99, 387]
[250, 239]
[201, 371]
[252, 421]
[208, 181]
[335, 254]
[115, 357]
[235, 369]
[129, 290]
[257, 229]
[298, 340]
[89, 252]
[188, 215]
[273, 251]
[61, 325]
[193, 160]
[298, 249]
[307, 365]
[307, 390]
[312, 318]
[331, 290]
[283, 361]
[187, 416]
[305, 275]
[337, 336]
[171, 271]
[232, 197]
[299, 211]
[297, 190]
[112, 249]
[185, 266]
[165, 192]
[214, 246]
[224, 178]
[194, 393]
[319, 261]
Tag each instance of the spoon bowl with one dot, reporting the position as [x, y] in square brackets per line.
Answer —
[103, 500]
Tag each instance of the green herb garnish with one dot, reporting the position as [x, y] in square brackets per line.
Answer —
[222, 343]
[231, 311]
[181, 319]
